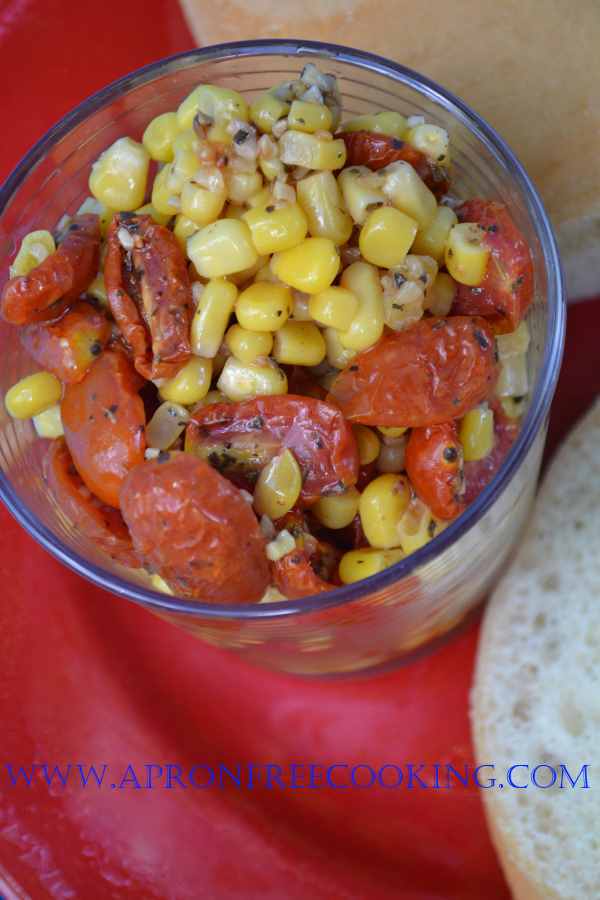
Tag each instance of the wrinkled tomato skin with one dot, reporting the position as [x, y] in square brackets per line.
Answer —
[434, 464]
[295, 577]
[367, 148]
[90, 518]
[69, 346]
[149, 294]
[309, 569]
[432, 372]
[240, 438]
[506, 292]
[48, 290]
[194, 528]
[104, 423]
[479, 473]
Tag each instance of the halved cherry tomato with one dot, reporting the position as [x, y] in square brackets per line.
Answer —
[366, 148]
[433, 371]
[70, 345]
[104, 422]
[149, 293]
[479, 473]
[434, 464]
[52, 286]
[194, 528]
[101, 524]
[309, 569]
[506, 292]
[239, 439]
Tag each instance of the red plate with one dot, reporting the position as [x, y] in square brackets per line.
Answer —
[88, 678]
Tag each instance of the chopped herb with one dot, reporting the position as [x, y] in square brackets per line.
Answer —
[302, 121]
[397, 305]
[397, 144]
[256, 423]
[517, 284]
[492, 229]
[441, 157]
[240, 136]
[481, 339]
[399, 279]
[319, 443]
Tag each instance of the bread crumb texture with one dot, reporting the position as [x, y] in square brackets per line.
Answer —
[536, 695]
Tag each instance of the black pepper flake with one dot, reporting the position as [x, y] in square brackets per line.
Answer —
[492, 229]
[354, 368]
[279, 312]
[432, 528]
[296, 560]
[441, 157]
[163, 456]
[302, 121]
[397, 305]
[399, 279]
[397, 144]
[450, 251]
[240, 136]
[256, 423]
[517, 284]
[270, 208]
[96, 348]
[423, 278]
[319, 443]
[519, 399]
[481, 339]
[450, 454]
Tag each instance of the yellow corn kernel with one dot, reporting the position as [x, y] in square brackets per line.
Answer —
[321, 199]
[159, 136]
[310, 267]
[48, 424]
[300, 307]
[35, 247]
[431, 140]
[513, 380]
[312, 152]
[466, 255]
[338, 510]
[477, 433]
[271, 168]
[222, 248]
[309, 117]
[32, 395]
[241, 279]
[217, 104]
[368, 444]
[262, 198]
[212, 314]
[149, 210]
[265, 273]
[431, 241]
[334, 307]
[362, 191]
[366, 328]
[299, 344]
[390, 431]
[242, 185]
[386, 237]
[211, 398]
[164, 200]
[513, 406]
[515, 343]
[382, 505]
[264, 306]
[118, 177]
[441, 294]
[184, 167]
[278, 486]
[358, 564]
[97, 289]
[200, 204]
[186, 140]
[280, 546]
[409, 193]
[159, 584]
[91, 205]
[191, 383]
[266, 111]
[246, 345]
[417, 526]
[338, 356]
[391, 123]
[243, 381]
[184, 228]
[165, 426]
[233, 211]
[276, 228]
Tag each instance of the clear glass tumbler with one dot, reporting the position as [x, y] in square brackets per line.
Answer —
[385, 617]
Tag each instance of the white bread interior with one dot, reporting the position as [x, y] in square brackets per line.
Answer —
[536, 695]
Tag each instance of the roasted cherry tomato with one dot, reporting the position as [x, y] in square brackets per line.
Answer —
[506, 292]
[479, 473]
[52, 286]
[104, 422]
[430, 373]
[434, 464]
[239, 439]
[195, 529]
[91, 518]
[70, 345]
[149, 293]
[309, 569]
[367, 148]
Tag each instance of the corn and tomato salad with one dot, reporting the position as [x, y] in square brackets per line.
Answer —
[272, 352]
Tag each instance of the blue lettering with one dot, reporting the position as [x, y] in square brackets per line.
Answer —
[521, 787]
[91, 773]
[150, 768]
[396, 769]
[583, 771]
[314, 770]
[358, 784]
[277, 773]
[537, 769]
[174, 777]
[235, 777]
[414, 774]
[129, 777]
[192, 776]
[491, 782]
[339, 787]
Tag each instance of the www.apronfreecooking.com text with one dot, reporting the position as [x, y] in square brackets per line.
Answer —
[294, 776]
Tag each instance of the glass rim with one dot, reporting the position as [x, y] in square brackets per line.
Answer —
[540, 401]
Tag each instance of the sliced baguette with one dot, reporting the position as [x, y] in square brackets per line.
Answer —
[536, 695]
